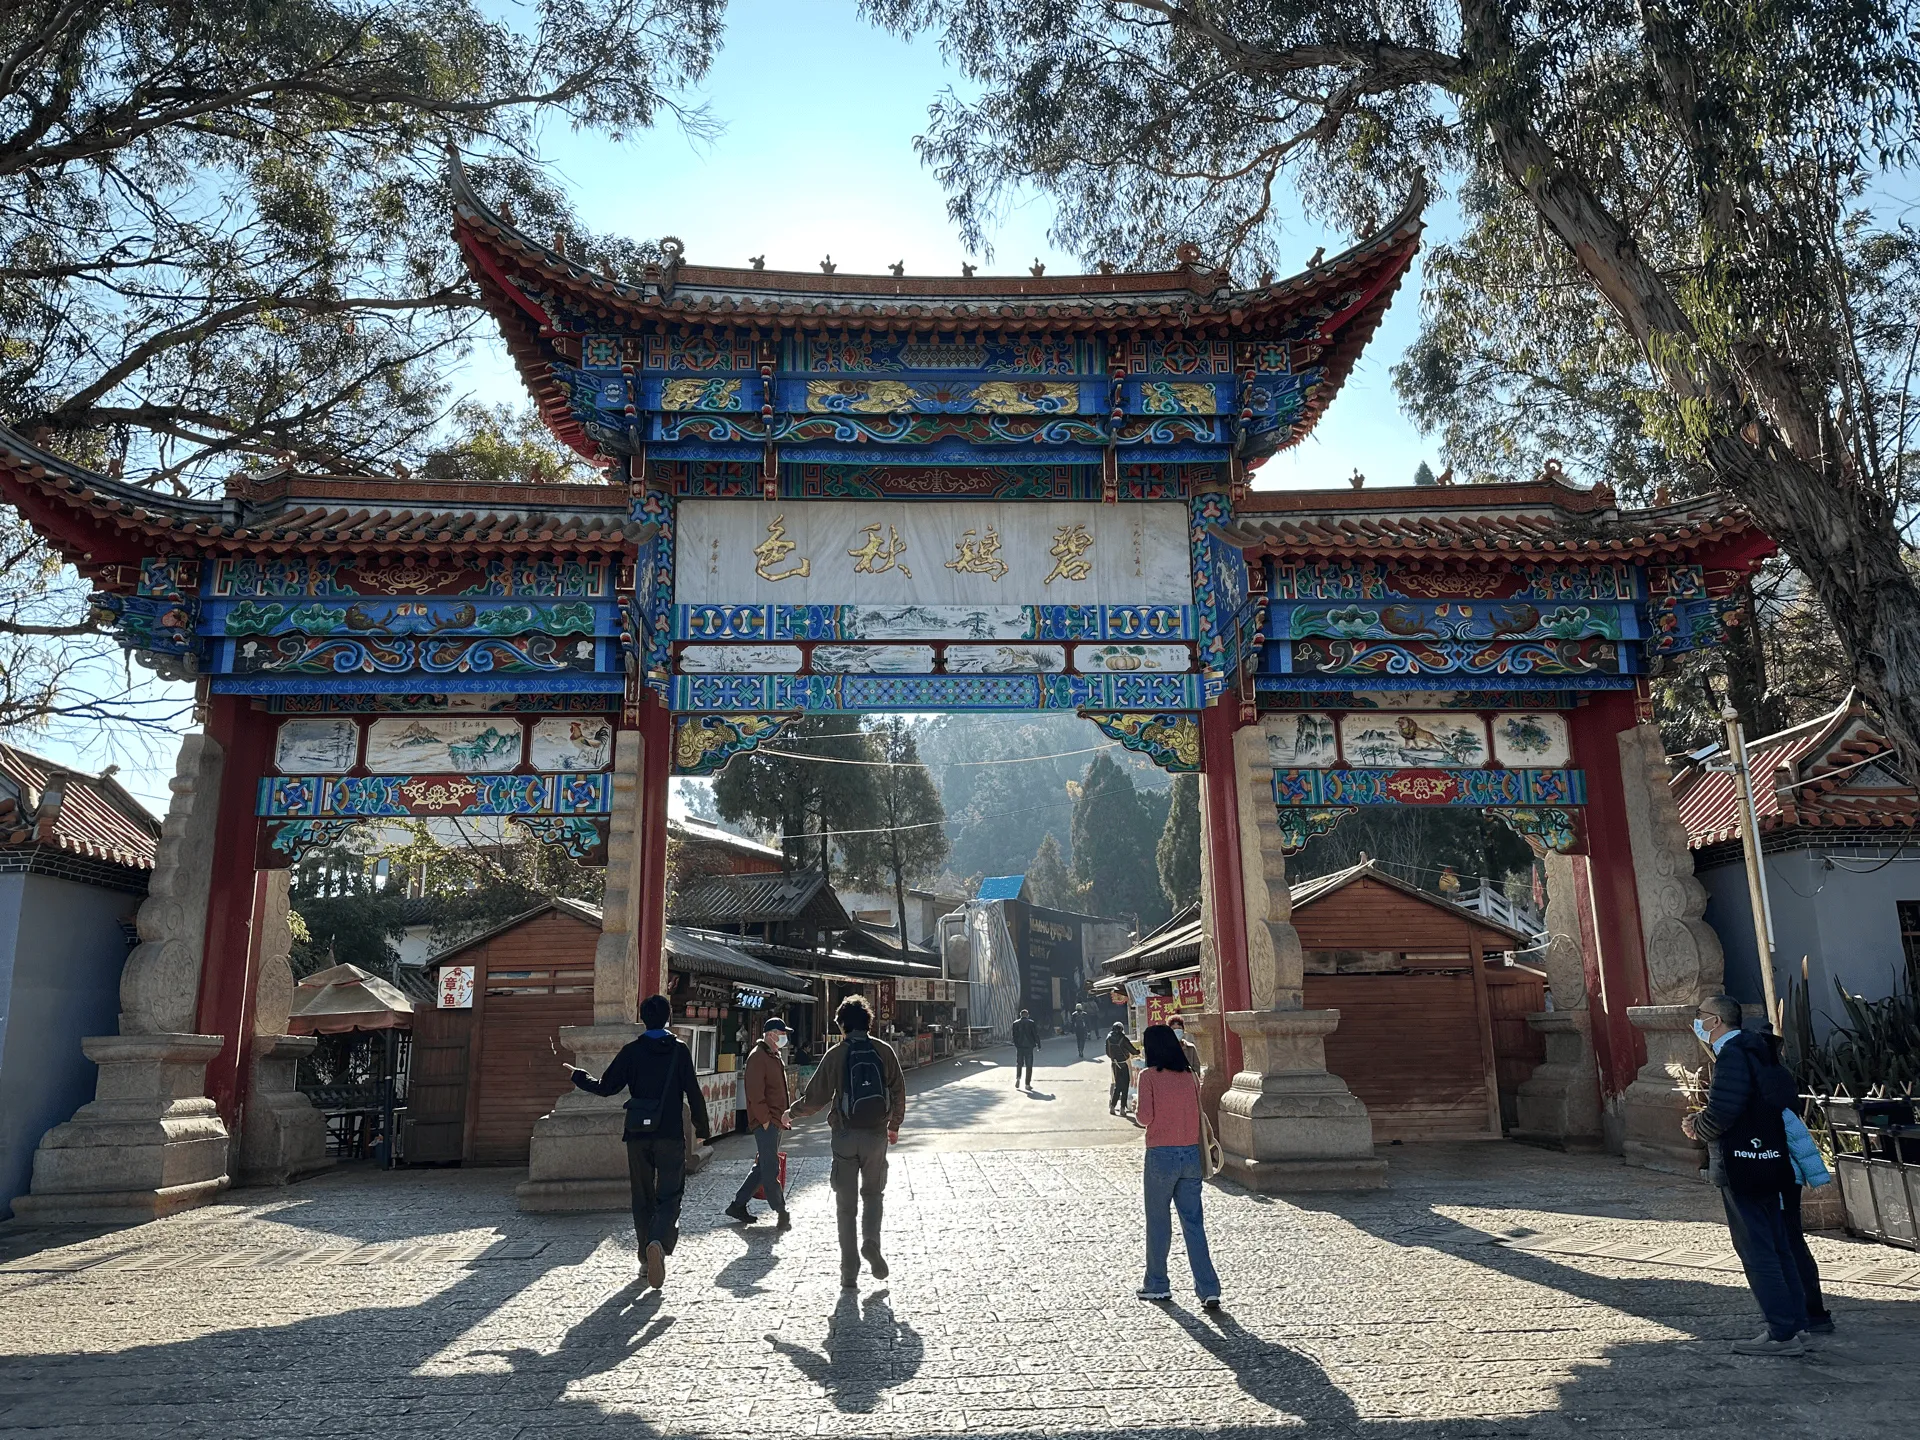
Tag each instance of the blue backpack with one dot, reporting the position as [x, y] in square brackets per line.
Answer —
[863, 1089]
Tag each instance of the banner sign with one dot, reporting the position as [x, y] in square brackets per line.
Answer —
[456, 987]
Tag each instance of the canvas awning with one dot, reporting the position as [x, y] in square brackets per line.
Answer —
[345, 998]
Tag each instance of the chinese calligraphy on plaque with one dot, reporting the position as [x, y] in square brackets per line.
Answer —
[874, 555]
[979, 556]
[1069, 549]
[774, 550]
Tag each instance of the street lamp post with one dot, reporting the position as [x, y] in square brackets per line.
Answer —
[1756, 865]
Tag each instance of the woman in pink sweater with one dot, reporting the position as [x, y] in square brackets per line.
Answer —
[1169, 1108]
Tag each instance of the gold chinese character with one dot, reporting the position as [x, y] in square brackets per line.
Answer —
[775, 548]
[979, 557]
[1070, 543]
[874, 555]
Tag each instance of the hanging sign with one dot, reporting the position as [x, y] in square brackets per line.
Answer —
[1190, 991]
[1161, 1008]
[456, 987]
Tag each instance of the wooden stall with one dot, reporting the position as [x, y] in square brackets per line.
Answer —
[1409, 973]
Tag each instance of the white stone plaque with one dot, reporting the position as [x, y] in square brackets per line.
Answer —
[966, 552]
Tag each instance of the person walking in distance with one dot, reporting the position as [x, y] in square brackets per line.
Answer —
[1170, 1111]
[1119, 1051]
[1082, 1028]
[1026, 1040]
[1744, 1128]
[657, 1072]
[861, 1086]
[766, 1118]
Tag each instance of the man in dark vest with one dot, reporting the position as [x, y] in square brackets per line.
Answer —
[861, 1086]
[1026, 1040]
[657, 1072]
[1747, 1158]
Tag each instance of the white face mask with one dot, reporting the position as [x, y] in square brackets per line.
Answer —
[780, 1039]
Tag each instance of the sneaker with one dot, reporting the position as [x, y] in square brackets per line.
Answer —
[656, 1260]
[786, 1223]
[1210, 1302]
[1819, 1325]
[1146, 1294]
[738, 1211]
[876, 1262]
[1765, 1344]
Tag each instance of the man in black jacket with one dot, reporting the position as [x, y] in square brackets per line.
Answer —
[1082, 1028]
[1026, 1040]
[1747, 1158]
[657, 1072]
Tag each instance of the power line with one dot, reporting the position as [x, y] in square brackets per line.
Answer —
[949, 765]
[923, 824]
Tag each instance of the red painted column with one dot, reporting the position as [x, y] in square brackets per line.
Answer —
[1226, 882]
[229, 966]
[1616, 905]
[656, 733]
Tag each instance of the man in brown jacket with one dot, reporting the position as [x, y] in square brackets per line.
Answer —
[861, 1086]
[766, 1117]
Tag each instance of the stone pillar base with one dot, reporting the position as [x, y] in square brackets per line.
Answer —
[282, 1137]
[577, 1159]
[1559, 1104]
[148, 1144]
[1654, 1104]
[1209, 1032]
[1285, 1123]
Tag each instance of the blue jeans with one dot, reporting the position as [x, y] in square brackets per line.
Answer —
[1173, 1179]
[1763, 1240]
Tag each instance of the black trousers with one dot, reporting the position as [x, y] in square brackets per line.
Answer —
[1081, 1041]
[657, 1167]
[1122, 1085]
[1022, 1064]
[1762, 1237]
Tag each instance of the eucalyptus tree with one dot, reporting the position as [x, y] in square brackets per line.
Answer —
[1681, 259]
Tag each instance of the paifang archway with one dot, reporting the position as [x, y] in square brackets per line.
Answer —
[822, 492]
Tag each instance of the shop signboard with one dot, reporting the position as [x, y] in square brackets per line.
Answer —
[456, 987]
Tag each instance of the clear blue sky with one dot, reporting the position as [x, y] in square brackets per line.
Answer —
[815, 157]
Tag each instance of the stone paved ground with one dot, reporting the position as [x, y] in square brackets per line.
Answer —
[354, 1305]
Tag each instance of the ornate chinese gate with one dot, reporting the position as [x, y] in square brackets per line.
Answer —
[877, 494]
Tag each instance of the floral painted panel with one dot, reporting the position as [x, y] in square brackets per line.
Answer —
[1532, 740]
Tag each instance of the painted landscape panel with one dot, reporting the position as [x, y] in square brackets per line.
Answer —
[1301, 742]
[1532, 740]
[469, 745]
[316, 747]
[1006, 659]
[872, 659]
[739, 659]
[1410, 739]
[562, 742]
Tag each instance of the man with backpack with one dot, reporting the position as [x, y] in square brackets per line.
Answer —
[862, 1088]
[1026, 1040]
[1744, 1127]
[1082, 1028]
[657, 1072]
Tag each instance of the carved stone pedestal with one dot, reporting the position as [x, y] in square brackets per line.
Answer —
[577, 1160]
[1209, 1034]
[148, 1144]
[1559, 1104]
[1285, 1123]
[1654, 1104]
[283, 1136]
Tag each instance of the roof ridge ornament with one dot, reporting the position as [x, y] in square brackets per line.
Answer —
[673, 248]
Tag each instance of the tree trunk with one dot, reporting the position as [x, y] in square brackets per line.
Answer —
[1746, 659]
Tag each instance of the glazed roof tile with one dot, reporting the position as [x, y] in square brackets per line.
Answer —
[756, 899]
[43, 802]
[511, 269]
[87, 512]
[1545, 517]
[1834, 772]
